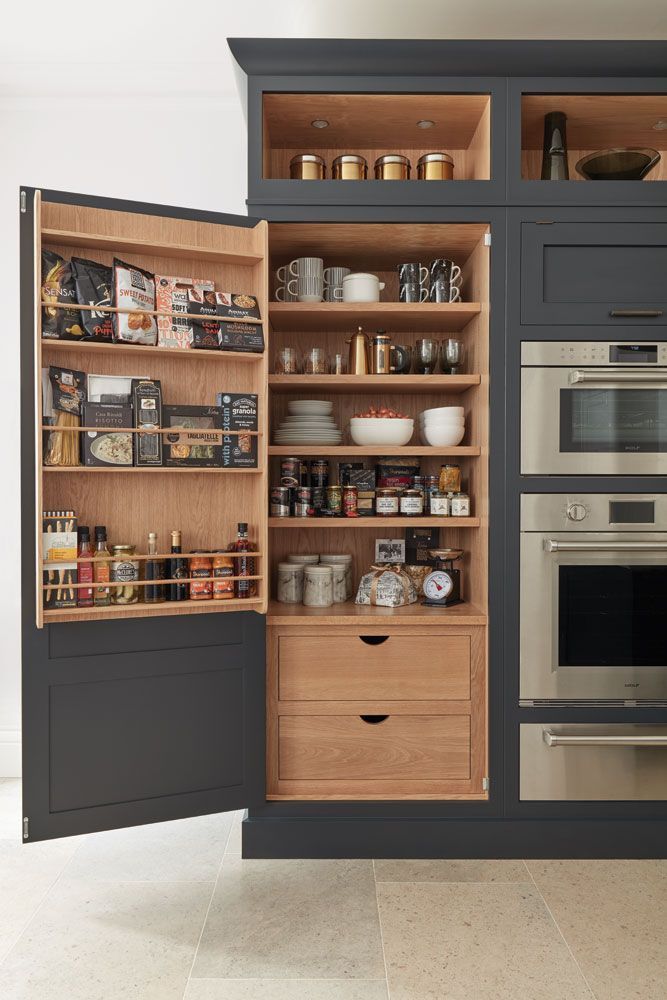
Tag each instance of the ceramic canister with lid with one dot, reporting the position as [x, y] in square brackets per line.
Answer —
[341, 559]
[303, 559]
[318, 586]
[290, 583]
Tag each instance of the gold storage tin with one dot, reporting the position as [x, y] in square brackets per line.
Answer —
[307, 167]
[435, 167]
[349, 167]
[392, 167]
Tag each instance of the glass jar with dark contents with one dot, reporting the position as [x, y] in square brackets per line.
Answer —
[412, 502]
[386, 502]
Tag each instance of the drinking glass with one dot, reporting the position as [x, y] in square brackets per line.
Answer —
[426, 356]
[287, 361]
[452, 356]
[338, 365]
[316, 362]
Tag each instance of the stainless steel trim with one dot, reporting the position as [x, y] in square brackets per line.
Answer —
[589, 740]
[552, 545]
[618, 378]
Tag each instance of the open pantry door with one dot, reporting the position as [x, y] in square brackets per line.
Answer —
[148, 711]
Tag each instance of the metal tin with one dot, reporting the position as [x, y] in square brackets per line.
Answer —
[280, 501]
[307, 167]
[350, 501]
[335, 499]
[392, 167]
[439, 506]
[460, 505]
[435, 167]
[386, 502]
[319, 472]
[290, 472]
[412, 503]
[349, 167]
[302, 504]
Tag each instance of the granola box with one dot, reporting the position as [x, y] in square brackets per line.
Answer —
[239, 413]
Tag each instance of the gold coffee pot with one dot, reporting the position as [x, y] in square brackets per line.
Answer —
[359, 353]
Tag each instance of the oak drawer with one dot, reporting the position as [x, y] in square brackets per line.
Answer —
[400, 668]
[399, 747]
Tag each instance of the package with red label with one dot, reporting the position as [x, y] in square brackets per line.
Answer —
[171, 295]
[134, 293]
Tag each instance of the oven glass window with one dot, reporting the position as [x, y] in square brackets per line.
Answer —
[612, 616]
[618, 420]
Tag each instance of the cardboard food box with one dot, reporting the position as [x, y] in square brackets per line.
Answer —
[236, 305]
[107, 447]
[239, 413]
[147, 412]
[111, 388]
[59, 552]
[247, 337]
[171, 295]
[191, 444]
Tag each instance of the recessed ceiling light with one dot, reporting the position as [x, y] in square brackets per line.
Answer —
[425, 123]
[660, 125]
[320, 123]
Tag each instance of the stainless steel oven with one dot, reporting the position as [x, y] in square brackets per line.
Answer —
[593, 408]
[593, 599]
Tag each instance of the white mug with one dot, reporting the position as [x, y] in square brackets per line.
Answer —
[361, 287]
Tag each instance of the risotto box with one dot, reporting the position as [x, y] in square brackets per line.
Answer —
[107, 446]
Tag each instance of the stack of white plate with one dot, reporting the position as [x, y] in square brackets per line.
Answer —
[309, 421]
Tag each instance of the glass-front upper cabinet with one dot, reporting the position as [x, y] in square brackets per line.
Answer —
[609, 134]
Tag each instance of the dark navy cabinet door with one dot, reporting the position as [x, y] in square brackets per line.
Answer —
[600, 273]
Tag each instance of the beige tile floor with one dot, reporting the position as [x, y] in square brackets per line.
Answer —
[172, 912]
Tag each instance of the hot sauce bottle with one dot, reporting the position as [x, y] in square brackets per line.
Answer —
[84, 595]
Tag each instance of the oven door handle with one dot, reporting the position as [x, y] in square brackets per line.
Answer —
[589, 740]
[657, 377]
[553, 545]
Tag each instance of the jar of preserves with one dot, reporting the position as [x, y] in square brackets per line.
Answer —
[335, 499]
[412, 502]
[439, 504]
[349, 167]
[435, 167]
[307, 167]
[201, 573]
[460, 505]
[392, 167]
[125, 571]
[222, 566]
[386, 502]
[350, 501]
[450, 479]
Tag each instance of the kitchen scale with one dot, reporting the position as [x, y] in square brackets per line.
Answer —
[442, 587]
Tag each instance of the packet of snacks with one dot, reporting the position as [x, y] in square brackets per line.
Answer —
[171, 295]
[134, 289]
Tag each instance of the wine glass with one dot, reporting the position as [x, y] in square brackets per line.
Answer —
[426, 356]
[452, 355]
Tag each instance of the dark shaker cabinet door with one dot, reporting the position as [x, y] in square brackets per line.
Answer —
[611, 274]
[141, 721]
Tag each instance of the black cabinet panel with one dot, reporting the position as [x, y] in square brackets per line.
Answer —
[91, 638]
[610, 274]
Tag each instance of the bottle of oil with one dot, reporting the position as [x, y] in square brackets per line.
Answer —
[178, 570]
[101, 568]
[154, 593]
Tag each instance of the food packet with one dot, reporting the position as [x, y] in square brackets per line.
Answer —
[68, 391]
[58, 287]
[134, 289]
[93, 283]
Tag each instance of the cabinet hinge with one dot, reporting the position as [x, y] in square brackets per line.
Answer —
[24, 203]
[26, 828]
[487, 239]
[485, 784]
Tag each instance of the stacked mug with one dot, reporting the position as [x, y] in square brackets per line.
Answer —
[440, 282]
[333, 283]
[302, 280]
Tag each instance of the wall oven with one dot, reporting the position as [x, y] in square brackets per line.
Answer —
[593, 599]
[593, 408]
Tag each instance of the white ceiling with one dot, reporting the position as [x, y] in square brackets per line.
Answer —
[164, 47]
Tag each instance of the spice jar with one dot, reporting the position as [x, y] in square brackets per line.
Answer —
[450, 479]
[412, 502]
[435, 167]
[350, 501]
[201, 571]
[349, 167]
[307, 167]
[290, 583]
[392, 167]
[318, 586]
[124, 570]
[439, 504]
[222, 566]
[460, 505]
[386, 502]
[335, 499]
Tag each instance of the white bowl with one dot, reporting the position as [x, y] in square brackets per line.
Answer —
[381, 430]
[442, 411]
[442, 423]
[445, 437]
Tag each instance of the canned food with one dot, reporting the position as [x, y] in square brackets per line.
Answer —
[349, 167]
[386, 502]
[307, 167]
[301, 502]
[290, 472]
[392, 167]
[319, 472]
[412, 502]
[335, 499]
[435, 167]
[280, 501]
[350, 501]
[201, 570]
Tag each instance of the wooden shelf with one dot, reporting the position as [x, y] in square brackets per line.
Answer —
[452, 384]
[119, 347]
[419, 450]
[141, 610]
[128, 245]
[357, 614]
[135, 470]
[373, 522]
[418, 317]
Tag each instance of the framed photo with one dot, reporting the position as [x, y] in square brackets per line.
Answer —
[389, 550]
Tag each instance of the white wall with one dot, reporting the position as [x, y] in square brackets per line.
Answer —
[41, 148]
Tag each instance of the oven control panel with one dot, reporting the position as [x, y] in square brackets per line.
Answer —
[615, 512]
[560, 353]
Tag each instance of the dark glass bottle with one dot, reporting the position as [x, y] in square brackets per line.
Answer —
[101, 568]
[84, 595]
[244, 566]
[154, 593]
[178, 570]
[554, 150]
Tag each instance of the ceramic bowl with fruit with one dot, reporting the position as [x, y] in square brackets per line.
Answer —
[381, 426]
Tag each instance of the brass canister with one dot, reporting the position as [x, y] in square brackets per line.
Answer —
[349, 167]
[392, 167]
[435, 167]
[307, 167]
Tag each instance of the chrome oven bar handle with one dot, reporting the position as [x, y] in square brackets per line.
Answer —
[602, 740]
[554, 545]
[611, 377]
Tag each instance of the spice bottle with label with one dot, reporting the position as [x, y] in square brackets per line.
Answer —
[101, 568]
[84, 595]
[154, 593]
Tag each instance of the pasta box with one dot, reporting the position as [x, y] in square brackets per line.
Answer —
[192, 441]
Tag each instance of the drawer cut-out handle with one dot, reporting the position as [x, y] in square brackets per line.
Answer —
[373, 720]
[373, 640]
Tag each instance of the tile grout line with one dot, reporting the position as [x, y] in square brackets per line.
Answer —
[377, 905]
[208, 910]
[558, 928]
